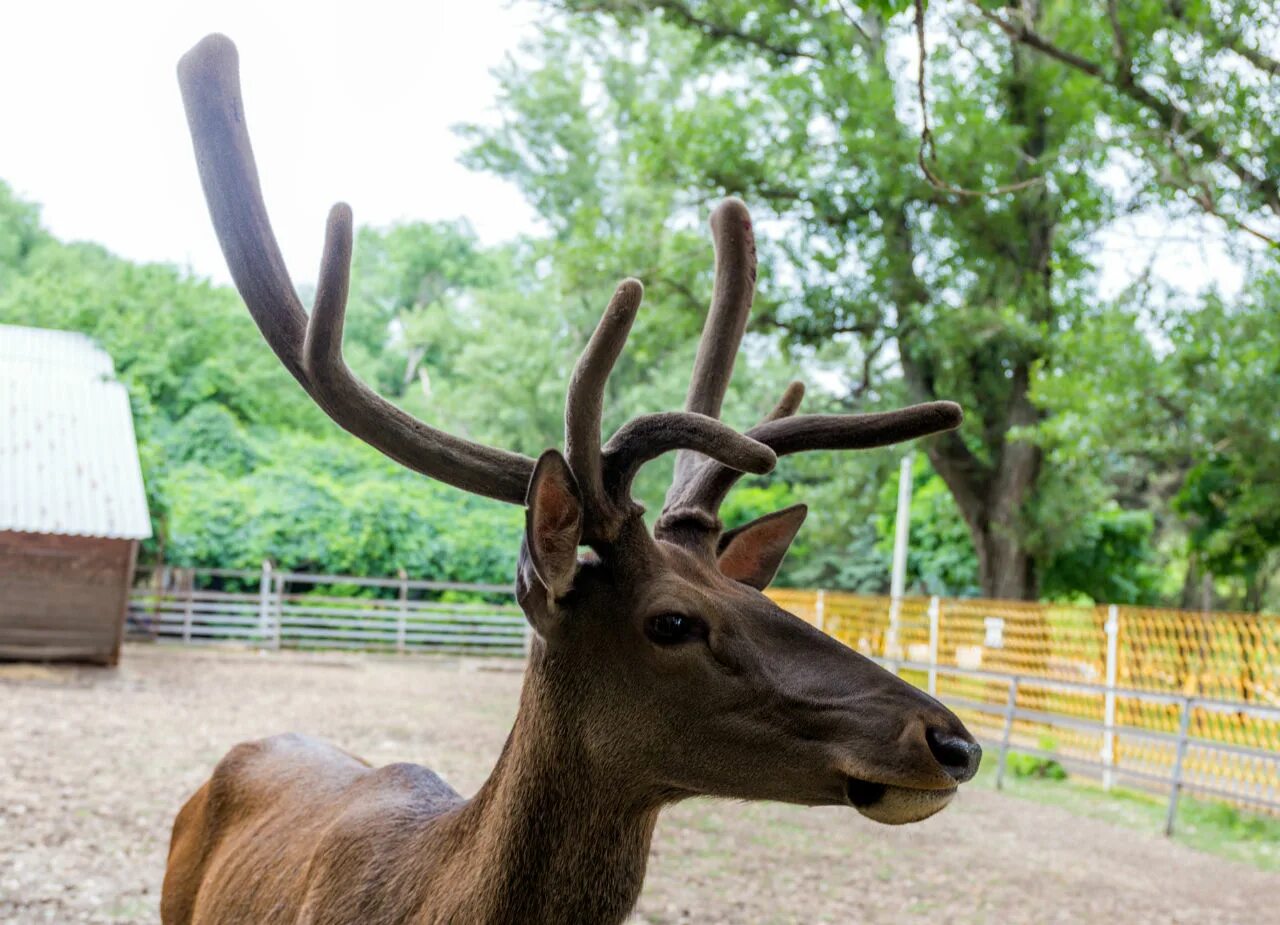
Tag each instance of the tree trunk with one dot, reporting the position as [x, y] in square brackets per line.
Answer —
[992, 505]
[1005, 568]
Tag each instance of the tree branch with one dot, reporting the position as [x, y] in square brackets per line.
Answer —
[718, 30]
[1172, 118]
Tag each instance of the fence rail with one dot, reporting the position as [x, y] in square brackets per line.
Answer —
[300, 611]
[1172, 701]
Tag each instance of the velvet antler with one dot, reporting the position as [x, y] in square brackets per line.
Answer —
[311, 348]
[700, 485]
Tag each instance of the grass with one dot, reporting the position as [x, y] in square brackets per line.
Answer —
[1212, 827]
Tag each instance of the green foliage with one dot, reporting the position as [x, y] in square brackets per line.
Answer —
[622, 121]
[355, 515]
[1109, 559]
[1112, 451]
[940, 556]
[1185, 429]
[1025, 765]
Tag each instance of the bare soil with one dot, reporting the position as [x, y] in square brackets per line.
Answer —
[94, 763]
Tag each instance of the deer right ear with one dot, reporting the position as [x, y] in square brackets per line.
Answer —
[553, 524]
[753, 552]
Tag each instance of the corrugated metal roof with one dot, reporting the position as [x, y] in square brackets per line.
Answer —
[68, 455]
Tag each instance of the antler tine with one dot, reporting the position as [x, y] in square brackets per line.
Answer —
[584, 403]
[209, 75]
[735, 282]
[788, 404]
[312, 351]
[701, 494]
[605, 475]
[649, 436]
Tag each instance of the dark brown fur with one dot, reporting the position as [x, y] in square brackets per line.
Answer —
[659, 670]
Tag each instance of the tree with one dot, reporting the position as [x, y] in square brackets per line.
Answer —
[1186, 427]
[793, 106]
[1188, 86]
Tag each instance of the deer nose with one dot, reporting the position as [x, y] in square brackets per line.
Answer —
[958, 755]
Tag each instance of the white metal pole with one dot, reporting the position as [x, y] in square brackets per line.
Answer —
[820, 609]
[1112, 627]
[898, 578]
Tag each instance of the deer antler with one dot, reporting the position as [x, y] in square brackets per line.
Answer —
[605, 475]
[311, 348]
[735, 282]
[700, 494]
[700, 485]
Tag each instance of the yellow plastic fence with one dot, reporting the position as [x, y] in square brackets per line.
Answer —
[1218, 656]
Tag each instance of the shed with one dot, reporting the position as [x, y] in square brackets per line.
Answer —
[72, 504]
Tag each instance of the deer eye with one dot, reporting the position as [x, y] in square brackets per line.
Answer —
[670, 629]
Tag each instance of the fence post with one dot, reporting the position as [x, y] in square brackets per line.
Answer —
[278, 623]
[402, 617]
[1112, 627]
[892, 651]
[934, 613]
[1010, 709]
[264, 603]
[1175, 787]
[188, 610]
[820, 609]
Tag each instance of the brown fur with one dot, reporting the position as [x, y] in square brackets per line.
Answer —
[610, 729]
[659, 671]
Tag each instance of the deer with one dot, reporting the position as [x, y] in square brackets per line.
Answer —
[658, 669]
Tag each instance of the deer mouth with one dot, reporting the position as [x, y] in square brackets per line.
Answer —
[895, 805]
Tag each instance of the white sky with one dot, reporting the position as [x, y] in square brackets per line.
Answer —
[93, 130]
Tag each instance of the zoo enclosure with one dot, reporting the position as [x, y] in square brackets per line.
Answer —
[1169, 700]
[281, 609]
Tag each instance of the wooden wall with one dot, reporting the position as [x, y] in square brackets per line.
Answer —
[63, 597]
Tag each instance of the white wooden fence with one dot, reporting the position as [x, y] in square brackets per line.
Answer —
[275, 609]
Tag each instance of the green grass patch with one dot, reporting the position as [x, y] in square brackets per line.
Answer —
[1209, 826]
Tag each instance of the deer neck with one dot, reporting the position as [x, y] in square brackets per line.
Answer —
[551, 836]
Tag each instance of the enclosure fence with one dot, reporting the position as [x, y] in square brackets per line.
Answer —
[280, 609]
[1167, 700]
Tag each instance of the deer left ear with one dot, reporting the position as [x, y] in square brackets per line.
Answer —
[752, 553]
[553, 523]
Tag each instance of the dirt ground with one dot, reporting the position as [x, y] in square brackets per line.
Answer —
[94, 764]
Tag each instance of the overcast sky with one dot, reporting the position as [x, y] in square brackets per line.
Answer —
[92, 128]
[91, 125]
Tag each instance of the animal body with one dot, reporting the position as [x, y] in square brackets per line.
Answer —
[658, 670]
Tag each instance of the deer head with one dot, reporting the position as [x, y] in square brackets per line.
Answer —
[656, 652]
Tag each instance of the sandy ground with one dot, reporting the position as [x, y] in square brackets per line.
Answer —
[94, 764]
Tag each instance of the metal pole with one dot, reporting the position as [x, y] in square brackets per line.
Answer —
[1010, 709]
[820, 609]
[402, 618]
[1112, 628]
[1175, 788]
[898, 577]
[264, 603]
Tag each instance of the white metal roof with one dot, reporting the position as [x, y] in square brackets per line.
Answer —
[68, 455]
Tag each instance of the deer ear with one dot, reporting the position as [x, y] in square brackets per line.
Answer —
[553, 523]
[752, 553]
